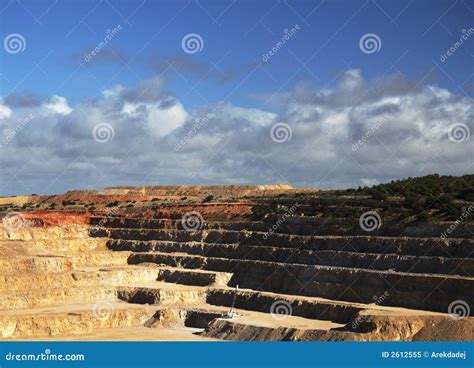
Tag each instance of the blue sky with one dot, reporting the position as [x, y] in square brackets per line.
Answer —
[236, 35]
[207, 117]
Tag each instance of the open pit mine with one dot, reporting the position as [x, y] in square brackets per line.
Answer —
[239, 263]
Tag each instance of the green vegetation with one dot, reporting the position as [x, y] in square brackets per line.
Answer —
[68, 203]
[431, 196]
[113, 204]
[450, 187]
[208, 199]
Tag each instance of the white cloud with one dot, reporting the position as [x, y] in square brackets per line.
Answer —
[56, 105]
[404, 126]
[369, 182]
[159, 120]
[5, 111]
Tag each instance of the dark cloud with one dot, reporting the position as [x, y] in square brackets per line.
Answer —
[107, 55]
[148, 90]
[335, 142]
[24, 99]
[187, 66]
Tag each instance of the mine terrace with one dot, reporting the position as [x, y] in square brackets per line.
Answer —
[241, 263]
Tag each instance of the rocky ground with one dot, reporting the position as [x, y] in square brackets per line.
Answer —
[264, 263]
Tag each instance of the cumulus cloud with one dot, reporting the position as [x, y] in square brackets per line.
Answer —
[5, 111]
[358, 132]
[57, 105]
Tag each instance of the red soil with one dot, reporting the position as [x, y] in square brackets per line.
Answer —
[56, 218]
[96, 198]
[208, 211]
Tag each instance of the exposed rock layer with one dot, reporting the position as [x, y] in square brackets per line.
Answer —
[310, 273]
